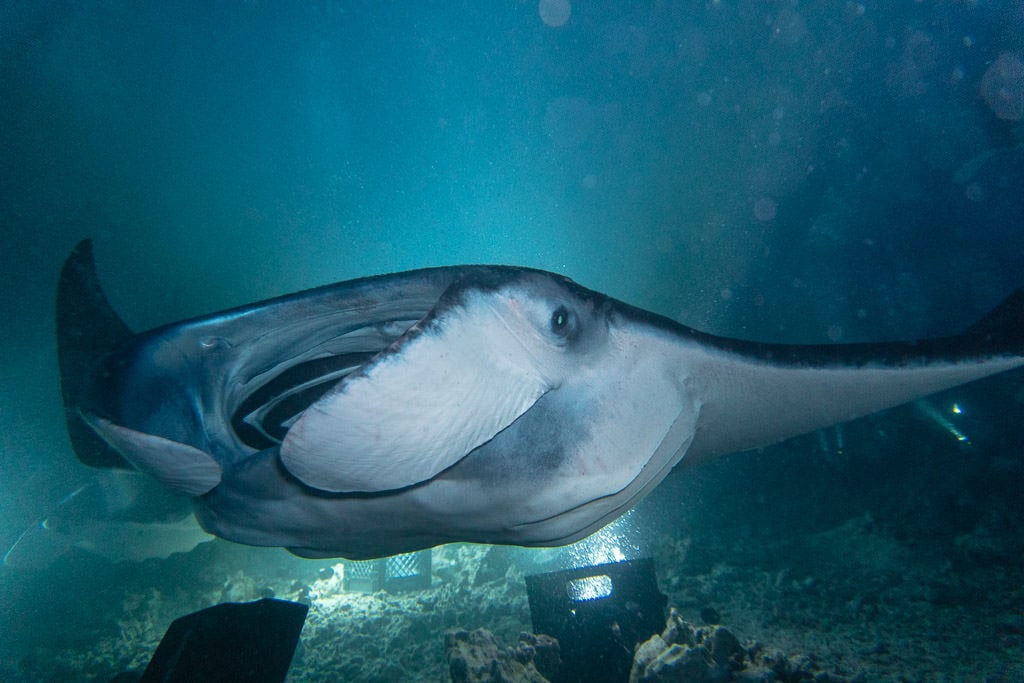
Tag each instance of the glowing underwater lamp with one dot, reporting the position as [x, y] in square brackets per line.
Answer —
[936, 416]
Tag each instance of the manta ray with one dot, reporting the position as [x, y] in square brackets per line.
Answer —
[489, 404]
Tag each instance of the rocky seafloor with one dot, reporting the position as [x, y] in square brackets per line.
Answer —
[897, 557]
[859, 604]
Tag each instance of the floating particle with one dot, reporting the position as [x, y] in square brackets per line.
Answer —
[554, 13]
[765, 209]
[1002, 87]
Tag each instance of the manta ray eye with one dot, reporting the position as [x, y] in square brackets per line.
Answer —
[562, 322]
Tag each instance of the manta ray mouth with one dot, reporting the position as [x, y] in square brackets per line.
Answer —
[264, 417]
[274, 398]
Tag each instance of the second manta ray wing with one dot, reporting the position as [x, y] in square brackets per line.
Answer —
[474, 403]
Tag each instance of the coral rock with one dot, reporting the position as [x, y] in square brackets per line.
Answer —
[476, 657]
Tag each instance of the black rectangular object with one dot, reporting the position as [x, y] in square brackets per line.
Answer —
[598, 614]
[251, 642]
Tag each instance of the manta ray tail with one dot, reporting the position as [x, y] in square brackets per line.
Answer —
[88, 330]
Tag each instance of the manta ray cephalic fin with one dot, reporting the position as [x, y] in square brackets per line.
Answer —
[181, 468]
[446, 387]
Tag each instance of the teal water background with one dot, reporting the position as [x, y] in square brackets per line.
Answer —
[781, 170]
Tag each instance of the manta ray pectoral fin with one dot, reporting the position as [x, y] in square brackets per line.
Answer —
[181, 468]
[446, 387]
[1002, 328]
[88, 330]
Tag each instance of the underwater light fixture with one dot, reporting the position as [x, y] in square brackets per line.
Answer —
[589, 588]
[933, 413]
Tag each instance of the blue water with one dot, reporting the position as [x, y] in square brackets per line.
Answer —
[812, 171]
